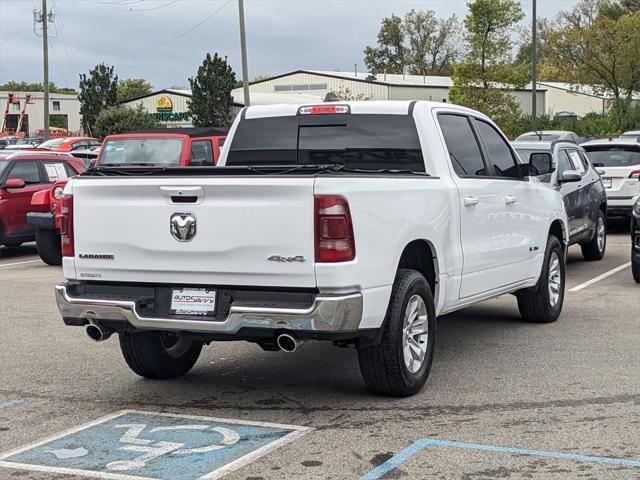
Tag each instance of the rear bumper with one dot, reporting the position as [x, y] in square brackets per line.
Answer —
[327, 314]
[41, 220]
[620, 205]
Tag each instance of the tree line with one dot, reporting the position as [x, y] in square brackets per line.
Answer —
[597, 43]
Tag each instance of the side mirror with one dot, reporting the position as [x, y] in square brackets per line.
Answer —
[569, 176]
[540, 163]
[14, 183]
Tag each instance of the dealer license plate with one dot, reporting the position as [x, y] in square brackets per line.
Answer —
[606, 182]
[193, 301]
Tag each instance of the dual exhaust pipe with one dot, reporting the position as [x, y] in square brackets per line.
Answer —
[284, 341]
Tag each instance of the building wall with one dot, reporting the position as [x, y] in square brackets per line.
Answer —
[559, 100]
[524, 100]
[312, 84]
[69, 105]
[435, 94]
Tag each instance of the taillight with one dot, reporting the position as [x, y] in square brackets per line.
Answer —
[635, 174]
[333, 230]
[66, 226]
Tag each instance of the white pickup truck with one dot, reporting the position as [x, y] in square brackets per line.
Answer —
[357, 223]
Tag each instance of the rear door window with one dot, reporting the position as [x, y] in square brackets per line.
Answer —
[26, 170]
[201, 153]
[576, 160]
[360, 141]
[461, 142]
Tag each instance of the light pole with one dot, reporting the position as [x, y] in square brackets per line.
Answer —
[534, 68]
[243, 51]
[44, 18]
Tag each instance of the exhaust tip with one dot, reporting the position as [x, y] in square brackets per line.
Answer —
[286, 343]
[95, 333]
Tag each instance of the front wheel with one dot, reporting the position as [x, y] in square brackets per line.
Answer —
[159, 355]
[399, 365]
[49, 246]
[594, 249]
[543, 303]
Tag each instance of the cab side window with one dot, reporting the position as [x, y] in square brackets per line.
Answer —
[27, 171]
[462, 144]
[564, 162]
[201, 153]
[500, 155]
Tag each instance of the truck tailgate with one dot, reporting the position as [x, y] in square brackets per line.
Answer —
[241, 222]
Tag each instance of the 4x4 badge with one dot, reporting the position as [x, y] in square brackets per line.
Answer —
[182, 226]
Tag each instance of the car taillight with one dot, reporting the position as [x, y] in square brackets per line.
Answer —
[66, 226]
[635, 174]
[333, 230]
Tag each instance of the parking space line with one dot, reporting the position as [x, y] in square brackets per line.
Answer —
[419, 445]
[18, 263]
[600, 277]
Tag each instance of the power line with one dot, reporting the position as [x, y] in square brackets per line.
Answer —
[186, 32]
[113, 5]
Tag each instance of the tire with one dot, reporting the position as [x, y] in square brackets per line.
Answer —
[595, 248]
[635, 268]
[159, 355]
[383, 365]
[49, 247]
[538, 304]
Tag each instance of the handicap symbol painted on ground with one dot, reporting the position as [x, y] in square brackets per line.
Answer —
[132, 445]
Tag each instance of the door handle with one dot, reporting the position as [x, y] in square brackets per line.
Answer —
[510, 199]
[469, 201]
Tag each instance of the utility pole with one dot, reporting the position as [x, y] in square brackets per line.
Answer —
[243, 49]
[45, 51]
[45, 18]
[534, 68]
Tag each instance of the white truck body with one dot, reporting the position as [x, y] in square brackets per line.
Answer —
[486, 234]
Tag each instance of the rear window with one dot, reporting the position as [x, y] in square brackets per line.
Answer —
[612, 156]
[146, 151]
[362, 141]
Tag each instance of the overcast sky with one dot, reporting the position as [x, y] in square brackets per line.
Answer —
[160, 40]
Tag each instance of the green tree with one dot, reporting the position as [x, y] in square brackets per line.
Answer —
[600, 49]
[12, 86]
[97, 91]
[211, 100]
[132, 88]
[480, 81]
[121, 119]
[390, 54]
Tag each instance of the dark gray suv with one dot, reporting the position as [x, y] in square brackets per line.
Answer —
[564, 165]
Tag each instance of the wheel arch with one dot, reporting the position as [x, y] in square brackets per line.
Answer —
[559, 230]
[420, 255]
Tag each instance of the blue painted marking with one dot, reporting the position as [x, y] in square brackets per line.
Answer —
[137, 444]
[10, 403]
[419, 445]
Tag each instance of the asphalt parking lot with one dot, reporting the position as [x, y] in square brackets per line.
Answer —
[505, 399]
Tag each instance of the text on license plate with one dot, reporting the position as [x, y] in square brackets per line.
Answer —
[193, 301]
[606, 182]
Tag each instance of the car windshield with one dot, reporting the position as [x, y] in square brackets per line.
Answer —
[147, 151]
[614, 156]
[3, 165]
[525, 153]
[362, 141]
[56, 142]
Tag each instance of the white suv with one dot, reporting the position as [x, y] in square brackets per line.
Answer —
[618, 163]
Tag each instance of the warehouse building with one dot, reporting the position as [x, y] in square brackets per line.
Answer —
[64, 112]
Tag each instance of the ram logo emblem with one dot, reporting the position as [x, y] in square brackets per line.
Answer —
[182, 226]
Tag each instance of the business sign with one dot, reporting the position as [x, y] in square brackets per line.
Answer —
[164, 111]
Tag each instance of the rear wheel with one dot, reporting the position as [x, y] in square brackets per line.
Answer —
[594, 249]
[543, 303]
[49, 247]
[399, 365]
[159, 355]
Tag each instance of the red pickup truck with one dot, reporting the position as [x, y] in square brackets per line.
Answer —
[186, 147]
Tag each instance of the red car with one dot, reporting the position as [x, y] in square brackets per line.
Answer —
[173, 147]
[69, 144]
[22, 175]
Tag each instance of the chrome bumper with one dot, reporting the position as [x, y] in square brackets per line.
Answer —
[328, 313]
